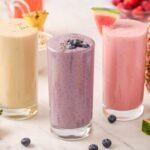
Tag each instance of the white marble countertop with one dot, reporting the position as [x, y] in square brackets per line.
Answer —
[74, 16]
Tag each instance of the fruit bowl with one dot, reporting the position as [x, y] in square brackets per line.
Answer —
[133, 9]
[141, 16]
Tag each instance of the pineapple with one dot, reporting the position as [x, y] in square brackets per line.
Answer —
[147, 73]
[36, 19]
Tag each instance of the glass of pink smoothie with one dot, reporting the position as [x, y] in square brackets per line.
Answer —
[124, 50]
[70, 74]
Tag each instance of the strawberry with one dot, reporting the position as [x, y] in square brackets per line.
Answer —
[132, 2]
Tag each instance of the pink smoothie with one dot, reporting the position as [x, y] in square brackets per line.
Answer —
[124, 64]
[70, 73]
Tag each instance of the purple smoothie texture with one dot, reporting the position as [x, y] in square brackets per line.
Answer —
[70, 74]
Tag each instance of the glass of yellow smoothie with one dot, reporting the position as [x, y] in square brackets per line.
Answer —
[18, 69]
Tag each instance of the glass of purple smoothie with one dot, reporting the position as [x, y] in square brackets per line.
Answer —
[70, 75]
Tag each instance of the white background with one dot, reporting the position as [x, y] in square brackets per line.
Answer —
[67, 16]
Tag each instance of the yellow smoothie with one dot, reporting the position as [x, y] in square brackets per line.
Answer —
[18, 69]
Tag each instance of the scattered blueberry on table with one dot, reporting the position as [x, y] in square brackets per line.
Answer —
[106, 143]
[25, 142]
[93, 147]
[112, 118]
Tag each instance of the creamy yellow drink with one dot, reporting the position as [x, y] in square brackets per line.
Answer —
[18, 69]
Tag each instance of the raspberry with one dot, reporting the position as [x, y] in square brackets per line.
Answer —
[132, 2]
[138, 12]
[116, 2]
[121, 6]
[127, 6]
[144, 4]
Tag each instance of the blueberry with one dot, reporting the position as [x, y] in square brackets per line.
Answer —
[80, 45]
[70, 46]
[93, 147]
[25, 141]
[77, 42]
[69, 41]
[112, 118]
[74, 41]
[85, 45]
[106, 143]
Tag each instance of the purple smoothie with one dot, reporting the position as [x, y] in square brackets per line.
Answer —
[70, 74]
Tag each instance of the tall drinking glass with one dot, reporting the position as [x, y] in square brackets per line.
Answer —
[124, 50]
[16, 8]
[26, 6]
[70, 74]
[18, 69]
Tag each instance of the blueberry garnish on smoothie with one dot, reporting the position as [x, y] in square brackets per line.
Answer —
[75, 43]
[70, 46]
[85, 45]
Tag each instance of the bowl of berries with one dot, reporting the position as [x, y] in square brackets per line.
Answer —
[133, 9]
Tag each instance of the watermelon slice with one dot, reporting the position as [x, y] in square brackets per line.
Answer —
[104, 16]
[146, 126]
